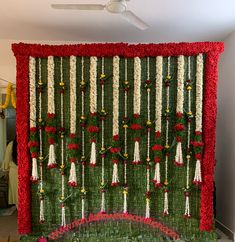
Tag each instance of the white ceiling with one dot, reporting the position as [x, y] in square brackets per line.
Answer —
[169, 20]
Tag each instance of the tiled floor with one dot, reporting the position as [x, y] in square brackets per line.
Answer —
[8, 230]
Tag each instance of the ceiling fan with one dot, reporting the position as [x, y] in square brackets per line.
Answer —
[113, 6]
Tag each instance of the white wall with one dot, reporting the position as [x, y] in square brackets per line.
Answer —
[225, 147]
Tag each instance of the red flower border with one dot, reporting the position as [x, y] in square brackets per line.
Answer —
[23, 51]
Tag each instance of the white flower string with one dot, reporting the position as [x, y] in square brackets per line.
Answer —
[198, 129]
[51, 111]
[125, 126]
[32, 115]
[188, 157]
[93, 107]
[102, 82]
[148, 125]
[73, 114]
[41, 158]
[115, 150]
[61, 84]
[179, 127]
[83, 189]
[136, 106]
[157, 148]
[167, 114]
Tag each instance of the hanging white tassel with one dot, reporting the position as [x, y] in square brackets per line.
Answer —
[83, 208]
[63, 222]
[72, 175]
[198, 175]
[125, 202]
[34, 176]
[41, 217]
[103, 202]
[157, 178]
[136, 160]
[179, 155]
[147, 213]
[166, 212]
[93, 154]
[187, 209]
[51, 159]
[115, 179]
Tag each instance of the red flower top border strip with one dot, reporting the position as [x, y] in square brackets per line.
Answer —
[120, 49]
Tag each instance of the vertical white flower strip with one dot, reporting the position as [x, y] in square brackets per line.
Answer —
[32, 115]
[198, 144]
[41, 159]
[179, 127]
[83, 189]
[73, 114]
[157, 148]
[93, 107]
[125, 126]
[62, 166]
[136, 106]
[167, 146]
[188, 157]
[102, 82]
[148, 125]
[51, 129]
[115, 149]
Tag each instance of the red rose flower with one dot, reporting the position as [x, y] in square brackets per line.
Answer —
[157, 147]
[179, 127]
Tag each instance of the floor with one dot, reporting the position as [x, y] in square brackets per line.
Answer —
[8, 230]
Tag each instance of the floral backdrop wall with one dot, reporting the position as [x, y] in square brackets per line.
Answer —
[116, 140]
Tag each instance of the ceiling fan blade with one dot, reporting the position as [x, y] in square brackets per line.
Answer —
[134, 20]
[79, 6]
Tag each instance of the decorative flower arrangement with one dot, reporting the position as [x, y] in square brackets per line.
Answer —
[9, 95]
[51, 121]
[179, 126]
[93, 128]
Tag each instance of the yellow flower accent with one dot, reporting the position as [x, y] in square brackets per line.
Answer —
[125, 126]
[190, 113]
[125, 155]
[61, 136]
[102, 148]
[41, 190]
[83, 117]
[61, 198]
[149, 122]
[189, 88]
[147, 199]
[168, 77]
[61, 84]
[40, 82]
[8, 95]
[102, 76]
[62, 166]
[166, 183]
[148, 159]
[40, 157]
[167, 110]
[83, 157]
[167, 146]
[188, 156]
[125, 192]
[126, 82]
[83, 190]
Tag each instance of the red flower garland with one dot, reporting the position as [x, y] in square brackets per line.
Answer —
[23, 51]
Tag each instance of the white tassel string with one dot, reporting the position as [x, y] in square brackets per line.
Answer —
[198, 175]
[51, 158]
[34, 169]
[166, 209]
[93, 154]
[72, 175]
[102, 202]
[42, 218]
[115, 179]
[63, 222]
[157, 179]
[136, 159]
[179, 155]
[187, 208]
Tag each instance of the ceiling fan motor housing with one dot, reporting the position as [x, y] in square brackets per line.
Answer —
[116, 6]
